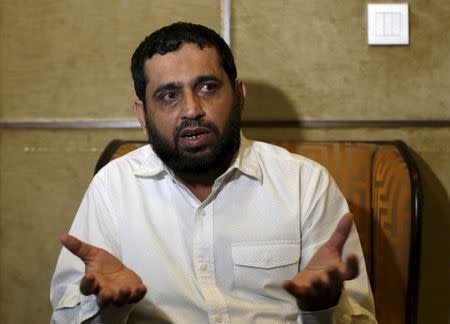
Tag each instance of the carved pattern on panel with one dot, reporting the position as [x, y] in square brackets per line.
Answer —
[392, 224]
[350, 166]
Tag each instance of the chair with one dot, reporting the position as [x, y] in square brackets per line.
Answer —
[381, 183]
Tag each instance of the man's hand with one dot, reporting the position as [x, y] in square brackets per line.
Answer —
[318, 286]
[105, 275]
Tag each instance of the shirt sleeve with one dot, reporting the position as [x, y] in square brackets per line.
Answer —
[94, 224]
[344, 312]
[322, 206]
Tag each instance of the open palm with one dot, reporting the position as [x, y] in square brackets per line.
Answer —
[105, 275]
[318, 286]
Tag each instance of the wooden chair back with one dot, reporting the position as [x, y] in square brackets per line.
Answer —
[381, 183]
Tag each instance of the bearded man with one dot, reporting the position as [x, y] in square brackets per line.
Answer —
[203, 225]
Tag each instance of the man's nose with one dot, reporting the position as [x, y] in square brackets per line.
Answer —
[192, 106]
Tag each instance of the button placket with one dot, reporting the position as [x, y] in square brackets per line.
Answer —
[201, 213]
[203, 266]
[204, 261]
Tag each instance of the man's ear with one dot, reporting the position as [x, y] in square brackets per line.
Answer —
[140, 115]
[241, 91]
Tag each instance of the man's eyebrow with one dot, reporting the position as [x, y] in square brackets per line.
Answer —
[178, 85]
[166, 86]
[209, 77]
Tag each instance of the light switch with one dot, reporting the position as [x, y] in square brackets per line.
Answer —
[388, 24]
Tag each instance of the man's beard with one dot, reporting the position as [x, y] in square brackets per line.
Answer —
[184, 162]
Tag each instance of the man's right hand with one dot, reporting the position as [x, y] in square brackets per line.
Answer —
[105, 275]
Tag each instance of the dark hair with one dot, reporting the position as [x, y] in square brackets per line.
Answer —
[169, 39]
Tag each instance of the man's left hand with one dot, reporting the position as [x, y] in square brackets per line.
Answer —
[318, 286]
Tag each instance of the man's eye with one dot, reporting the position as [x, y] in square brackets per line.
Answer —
[207, 87]
[169, 96]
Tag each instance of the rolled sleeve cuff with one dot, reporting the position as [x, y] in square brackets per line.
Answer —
[76, 308]
[346, 311]
[111, 314]
[318, 317]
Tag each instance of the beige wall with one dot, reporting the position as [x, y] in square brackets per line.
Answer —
[302, 60]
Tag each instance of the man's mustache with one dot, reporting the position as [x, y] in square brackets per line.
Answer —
[194, 123]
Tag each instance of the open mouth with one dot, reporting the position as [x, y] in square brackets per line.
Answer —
[195, 136]
[194, 132]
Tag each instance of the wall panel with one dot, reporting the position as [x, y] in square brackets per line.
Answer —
[44, 174]
[313, 55]
[70, 59]
[302, 60]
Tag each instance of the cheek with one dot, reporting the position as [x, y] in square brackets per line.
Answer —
[220, 117]
[163, 125]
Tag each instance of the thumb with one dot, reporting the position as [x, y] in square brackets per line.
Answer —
[77, 247]
[351, 268]
[341, 233]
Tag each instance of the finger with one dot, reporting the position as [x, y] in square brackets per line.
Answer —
[89, 284]
[341, 232]
[351, 268]
[334, 277]
[296, 290]
[122, 297]
[138, 294]
[318, 284]
[76, 246]
[104, 297]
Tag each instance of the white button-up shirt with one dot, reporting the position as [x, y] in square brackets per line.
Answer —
[222, 260]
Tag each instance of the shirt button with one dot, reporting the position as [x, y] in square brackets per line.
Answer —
[201, 213]
[203, 266]
[218, 318]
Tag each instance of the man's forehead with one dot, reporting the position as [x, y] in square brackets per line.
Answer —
[188, 59]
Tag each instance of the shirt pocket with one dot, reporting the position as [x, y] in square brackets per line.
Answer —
[262, 267]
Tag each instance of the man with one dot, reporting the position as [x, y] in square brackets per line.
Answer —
[219, 228]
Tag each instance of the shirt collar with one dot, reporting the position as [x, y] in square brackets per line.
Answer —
[246, 161]
[151, 165]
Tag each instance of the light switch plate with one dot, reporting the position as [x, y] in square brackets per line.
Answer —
[388, 24]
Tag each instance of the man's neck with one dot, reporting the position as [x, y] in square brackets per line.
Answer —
[200, 190]
[201, 183]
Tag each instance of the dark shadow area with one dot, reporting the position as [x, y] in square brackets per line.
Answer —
[434, 288]
[142, 310]
[265, 102]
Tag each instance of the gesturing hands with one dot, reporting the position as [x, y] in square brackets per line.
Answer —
[105, 275]
[318, 286]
